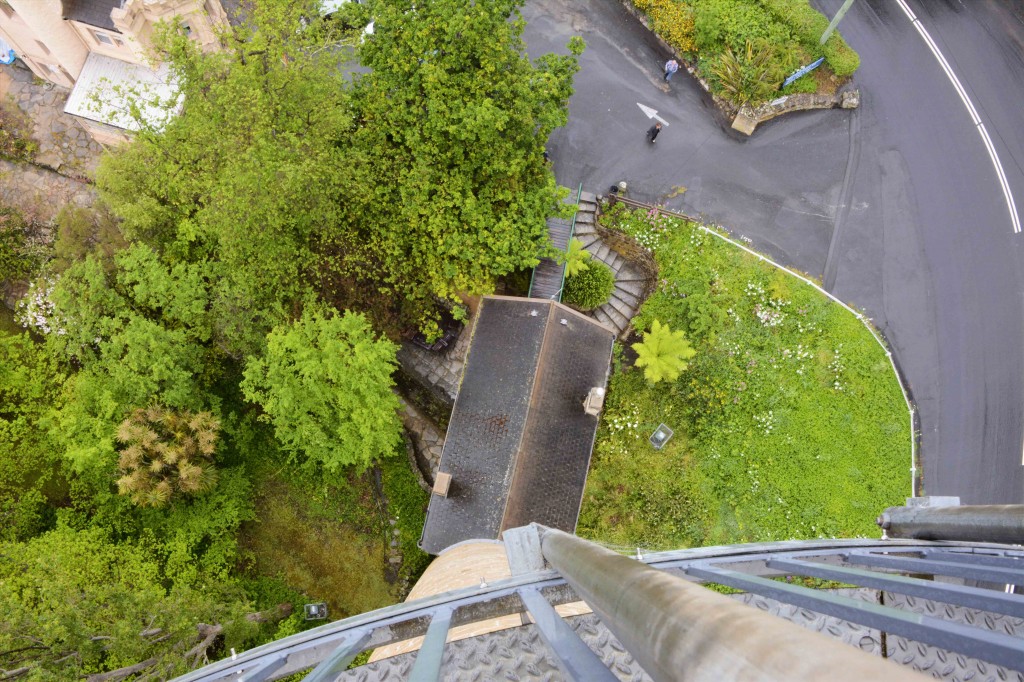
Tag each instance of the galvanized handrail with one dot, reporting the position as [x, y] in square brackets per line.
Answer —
[632, 599]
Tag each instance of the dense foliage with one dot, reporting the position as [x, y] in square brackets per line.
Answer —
[17, 259]
[590, 287]
[789, 421]
[448, 140]
[745, 49]
[227, 311]
[325, 384]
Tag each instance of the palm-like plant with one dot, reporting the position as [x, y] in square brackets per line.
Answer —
[749, 77]
[575, 258]
[166, 452]
[663, 353]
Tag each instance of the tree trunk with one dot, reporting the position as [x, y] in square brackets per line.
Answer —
[272, 615]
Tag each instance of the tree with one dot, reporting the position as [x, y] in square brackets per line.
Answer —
[254, 167]
[325, 384]
[30, 471]
[77, 604]
[81, 231]
[140, 333]
[166, 452]
[449, 132]
[663, 353]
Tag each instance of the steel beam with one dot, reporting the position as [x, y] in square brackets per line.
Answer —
[577, 660]
[978, 643]
[335, 664]
[428, 659]
[1003, 576]
[973, 597]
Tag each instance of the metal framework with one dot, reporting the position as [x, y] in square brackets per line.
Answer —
[978, 576]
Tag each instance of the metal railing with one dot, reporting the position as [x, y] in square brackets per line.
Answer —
[572, 231]
[676, 629]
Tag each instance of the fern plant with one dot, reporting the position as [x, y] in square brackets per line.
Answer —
[574, 258]
[663, 353]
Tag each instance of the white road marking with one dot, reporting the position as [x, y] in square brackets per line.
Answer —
[651, 112]
[989, 147]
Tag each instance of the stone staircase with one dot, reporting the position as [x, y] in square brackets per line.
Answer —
[629, 281]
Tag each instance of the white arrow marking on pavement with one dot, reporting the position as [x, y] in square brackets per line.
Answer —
[651, 113]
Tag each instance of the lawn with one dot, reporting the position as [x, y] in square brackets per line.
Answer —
[328, 536]
[789, 421]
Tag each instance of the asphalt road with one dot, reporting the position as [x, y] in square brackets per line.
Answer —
[895, 206]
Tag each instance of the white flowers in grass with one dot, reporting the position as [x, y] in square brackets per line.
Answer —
[765, 422]
[628, 422]
[837, 368]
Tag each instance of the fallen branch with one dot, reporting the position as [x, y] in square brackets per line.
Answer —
[122, 673]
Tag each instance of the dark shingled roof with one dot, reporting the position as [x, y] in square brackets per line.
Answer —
[92, 12]
[518, 444]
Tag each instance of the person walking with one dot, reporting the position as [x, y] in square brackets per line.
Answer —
[652, 133]
[671, 66]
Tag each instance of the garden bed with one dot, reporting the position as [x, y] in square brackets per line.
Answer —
[790, 421]
[740, 53]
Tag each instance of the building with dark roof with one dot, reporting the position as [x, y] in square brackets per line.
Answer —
[519, 441]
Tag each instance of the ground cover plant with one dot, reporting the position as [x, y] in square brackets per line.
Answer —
[744, 49]
[789, 420]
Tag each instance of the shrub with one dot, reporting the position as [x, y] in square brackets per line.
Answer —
[166, 452]
[732, 23]
[840, 56]
[589, 288]
[16, 141]
[672, 20]
[16, 261]
[751, 76]
[808, 24]
[575, 258]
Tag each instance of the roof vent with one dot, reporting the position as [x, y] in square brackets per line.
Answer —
[441, 484]
[594, 401]
[564, 322]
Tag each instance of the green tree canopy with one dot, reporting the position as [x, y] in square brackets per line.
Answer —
[140, 334]
[450, 126]
[75, 604]
[325, 384]
[253, 167]
[30, 471]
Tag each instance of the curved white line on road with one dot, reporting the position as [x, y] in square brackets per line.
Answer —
[989, 147]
